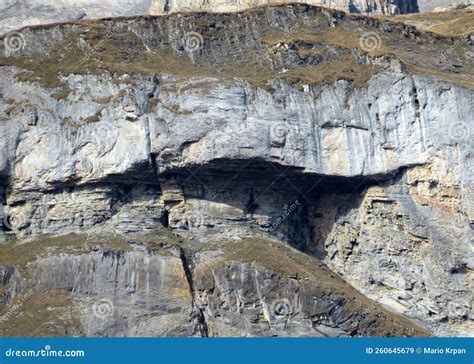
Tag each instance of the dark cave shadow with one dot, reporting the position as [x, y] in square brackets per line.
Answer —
[287, 196]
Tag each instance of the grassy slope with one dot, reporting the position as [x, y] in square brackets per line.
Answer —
[52, 313]
[452, 23]
[126, 52]
[286, 262]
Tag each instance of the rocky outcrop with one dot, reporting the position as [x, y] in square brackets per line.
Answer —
[213, 291]
[241, 299]
[430, 5]
[121, 294]
[401, 243]
[370, 171]
[388, 7]
[19, 13]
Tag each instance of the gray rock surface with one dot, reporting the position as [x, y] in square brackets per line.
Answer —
[121, 294]
[19, 13]
[375, 180]
[162, 293]
[430, 5]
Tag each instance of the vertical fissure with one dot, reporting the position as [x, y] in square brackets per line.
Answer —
[201, 319]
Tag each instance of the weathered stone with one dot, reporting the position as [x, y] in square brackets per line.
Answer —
[375, 180]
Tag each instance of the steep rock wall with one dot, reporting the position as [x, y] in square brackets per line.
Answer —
[158, 291]
[18, 13]
[204, 154]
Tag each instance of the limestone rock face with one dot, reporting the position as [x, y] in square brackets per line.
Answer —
[388, 7]
[402, 243]
[121, 294]
[430, 5]
[149, 293]
[18, 13]
[372, 175]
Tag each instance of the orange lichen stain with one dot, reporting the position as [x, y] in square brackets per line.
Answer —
[181, 292]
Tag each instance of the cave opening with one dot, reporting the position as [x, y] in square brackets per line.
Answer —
[165, 218]
[281, 200]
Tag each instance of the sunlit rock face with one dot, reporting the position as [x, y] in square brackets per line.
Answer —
[388, 7]
[18, 13]
[241, 181]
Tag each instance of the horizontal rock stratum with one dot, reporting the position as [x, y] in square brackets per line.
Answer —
[283, 171]
[17, 13]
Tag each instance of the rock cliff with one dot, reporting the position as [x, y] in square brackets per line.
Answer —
[18, 13]
[237, 175]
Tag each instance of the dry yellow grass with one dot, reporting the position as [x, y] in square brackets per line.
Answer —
[451, 23]
[285, 262]
[333, 37]
[126, 53]
[344, 68]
